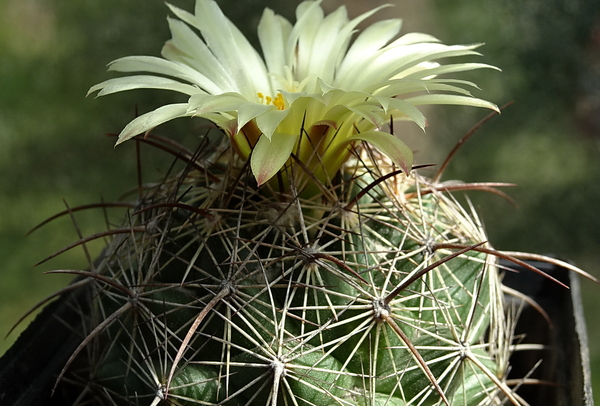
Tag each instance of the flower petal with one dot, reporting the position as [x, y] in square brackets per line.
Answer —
[415, 38]
[269, 156]
[405, 107]
[390, 145]
[393, 61]
[329, 40]
[268, 121]
[396, 87]
[185, 46]
[371, 113]
[451, 99]
[273, 32]
[371, 40]
[230, 47]
[417, 54]
[148, 121]
[451, 68]
[249, 111]
[309, 17]
[161, 66]
[207, 103]
[142, 82]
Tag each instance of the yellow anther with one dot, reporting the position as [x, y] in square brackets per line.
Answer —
[277, 101]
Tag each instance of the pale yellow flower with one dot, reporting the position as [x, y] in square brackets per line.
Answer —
[312, 94]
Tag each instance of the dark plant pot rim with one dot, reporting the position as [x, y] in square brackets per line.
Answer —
[566, 364]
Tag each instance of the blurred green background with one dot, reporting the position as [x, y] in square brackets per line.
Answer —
[54, 151]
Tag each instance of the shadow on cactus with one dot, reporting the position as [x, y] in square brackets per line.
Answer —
[300, 259]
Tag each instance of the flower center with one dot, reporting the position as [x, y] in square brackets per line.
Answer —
[268, 100]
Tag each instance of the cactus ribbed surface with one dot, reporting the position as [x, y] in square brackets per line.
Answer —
[373, 292]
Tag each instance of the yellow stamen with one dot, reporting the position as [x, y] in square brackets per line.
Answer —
[278, 102]
[268, 100]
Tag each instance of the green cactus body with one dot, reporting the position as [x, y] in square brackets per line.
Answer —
[293, 301]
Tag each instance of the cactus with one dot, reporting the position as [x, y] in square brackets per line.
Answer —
[300, 259]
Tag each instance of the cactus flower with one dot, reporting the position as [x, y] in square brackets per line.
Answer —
[313, 92]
